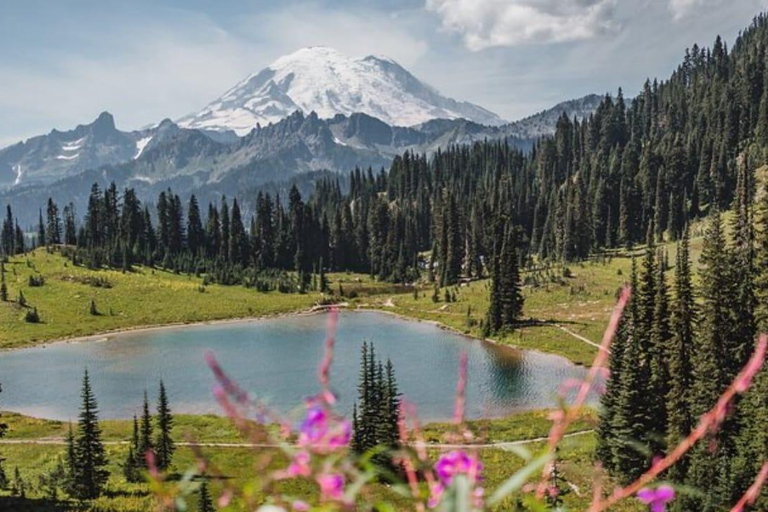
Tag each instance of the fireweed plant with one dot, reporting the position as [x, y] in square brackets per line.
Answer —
[318, 452]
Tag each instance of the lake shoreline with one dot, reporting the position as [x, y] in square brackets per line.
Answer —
[314, 310]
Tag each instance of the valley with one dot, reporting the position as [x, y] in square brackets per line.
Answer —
[334, 287]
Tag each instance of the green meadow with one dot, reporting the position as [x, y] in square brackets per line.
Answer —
[237, 464]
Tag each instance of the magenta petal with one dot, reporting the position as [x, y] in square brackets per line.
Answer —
[665, 493]
[646, 495]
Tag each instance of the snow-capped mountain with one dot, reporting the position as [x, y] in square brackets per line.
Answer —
[327, 82]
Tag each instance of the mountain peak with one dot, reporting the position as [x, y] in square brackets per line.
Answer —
[328, 82]
[105, 121]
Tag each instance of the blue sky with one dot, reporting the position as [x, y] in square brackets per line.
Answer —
[62, 63]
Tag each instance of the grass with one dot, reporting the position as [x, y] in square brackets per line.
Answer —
[140, 298]
[578, 298]
[238, 464]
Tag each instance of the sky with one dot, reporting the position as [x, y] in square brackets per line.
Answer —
[62, 63]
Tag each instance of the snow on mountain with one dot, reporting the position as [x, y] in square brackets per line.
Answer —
[141, 144]
[325, 81]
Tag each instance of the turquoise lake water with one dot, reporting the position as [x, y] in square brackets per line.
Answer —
[276, 360]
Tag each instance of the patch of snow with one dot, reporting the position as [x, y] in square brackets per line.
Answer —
[67, 157]
[339, 142]
[140, 145]
[73, 146]
[18, 174]
[145, 179]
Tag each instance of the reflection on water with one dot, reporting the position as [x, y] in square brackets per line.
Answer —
[276, 359]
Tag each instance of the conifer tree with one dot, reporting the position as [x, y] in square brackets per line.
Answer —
[132, 465]
[708, 357]
[679, 355]
[53, 226]
[609, 400]
[41, 239]
[658, 360]
[164, 445]
[375, 422]
[146, 442]
[511, 297]
[90, 474]
[71, 462]
[205, 503]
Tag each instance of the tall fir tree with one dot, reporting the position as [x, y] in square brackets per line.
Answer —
[164, 445]
[679, 354]
[90, 459]
[146, 440]
[205, 502]
[709, 373]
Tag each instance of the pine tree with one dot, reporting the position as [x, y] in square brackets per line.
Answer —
[376, 418]
[132, 465]
[205, 504]
[41, 239]
[146, 442]
[164, 445]
[708, 357]
[511, 297]
[609, 400]
[71, 462]
[53, 226]
[90, 474]
[658, 360]
[679, 355]
[3, 288]
[631, 416]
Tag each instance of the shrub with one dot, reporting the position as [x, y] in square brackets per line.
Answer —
[32, 316]
[36, 281]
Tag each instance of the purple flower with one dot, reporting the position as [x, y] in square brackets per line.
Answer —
[331, 486]
[300, 465]
[323, 432]
[315, 426]
[453, 463]
[458, 462]
[657, 498]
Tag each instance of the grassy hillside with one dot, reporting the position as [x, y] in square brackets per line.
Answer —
[140, 298]
[237, 463]
[561, 303]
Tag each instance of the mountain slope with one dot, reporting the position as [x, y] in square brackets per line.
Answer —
[544, 123]
[327, 82]
[46, 158]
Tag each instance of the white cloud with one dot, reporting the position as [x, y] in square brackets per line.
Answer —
[488, 23]
[681, 8]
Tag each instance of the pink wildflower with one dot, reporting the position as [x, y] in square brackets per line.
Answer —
[657, 498]
[331, 486]
[300, 465]
[300, 506]
[458, 462]
[323, 432]
[451, 464]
